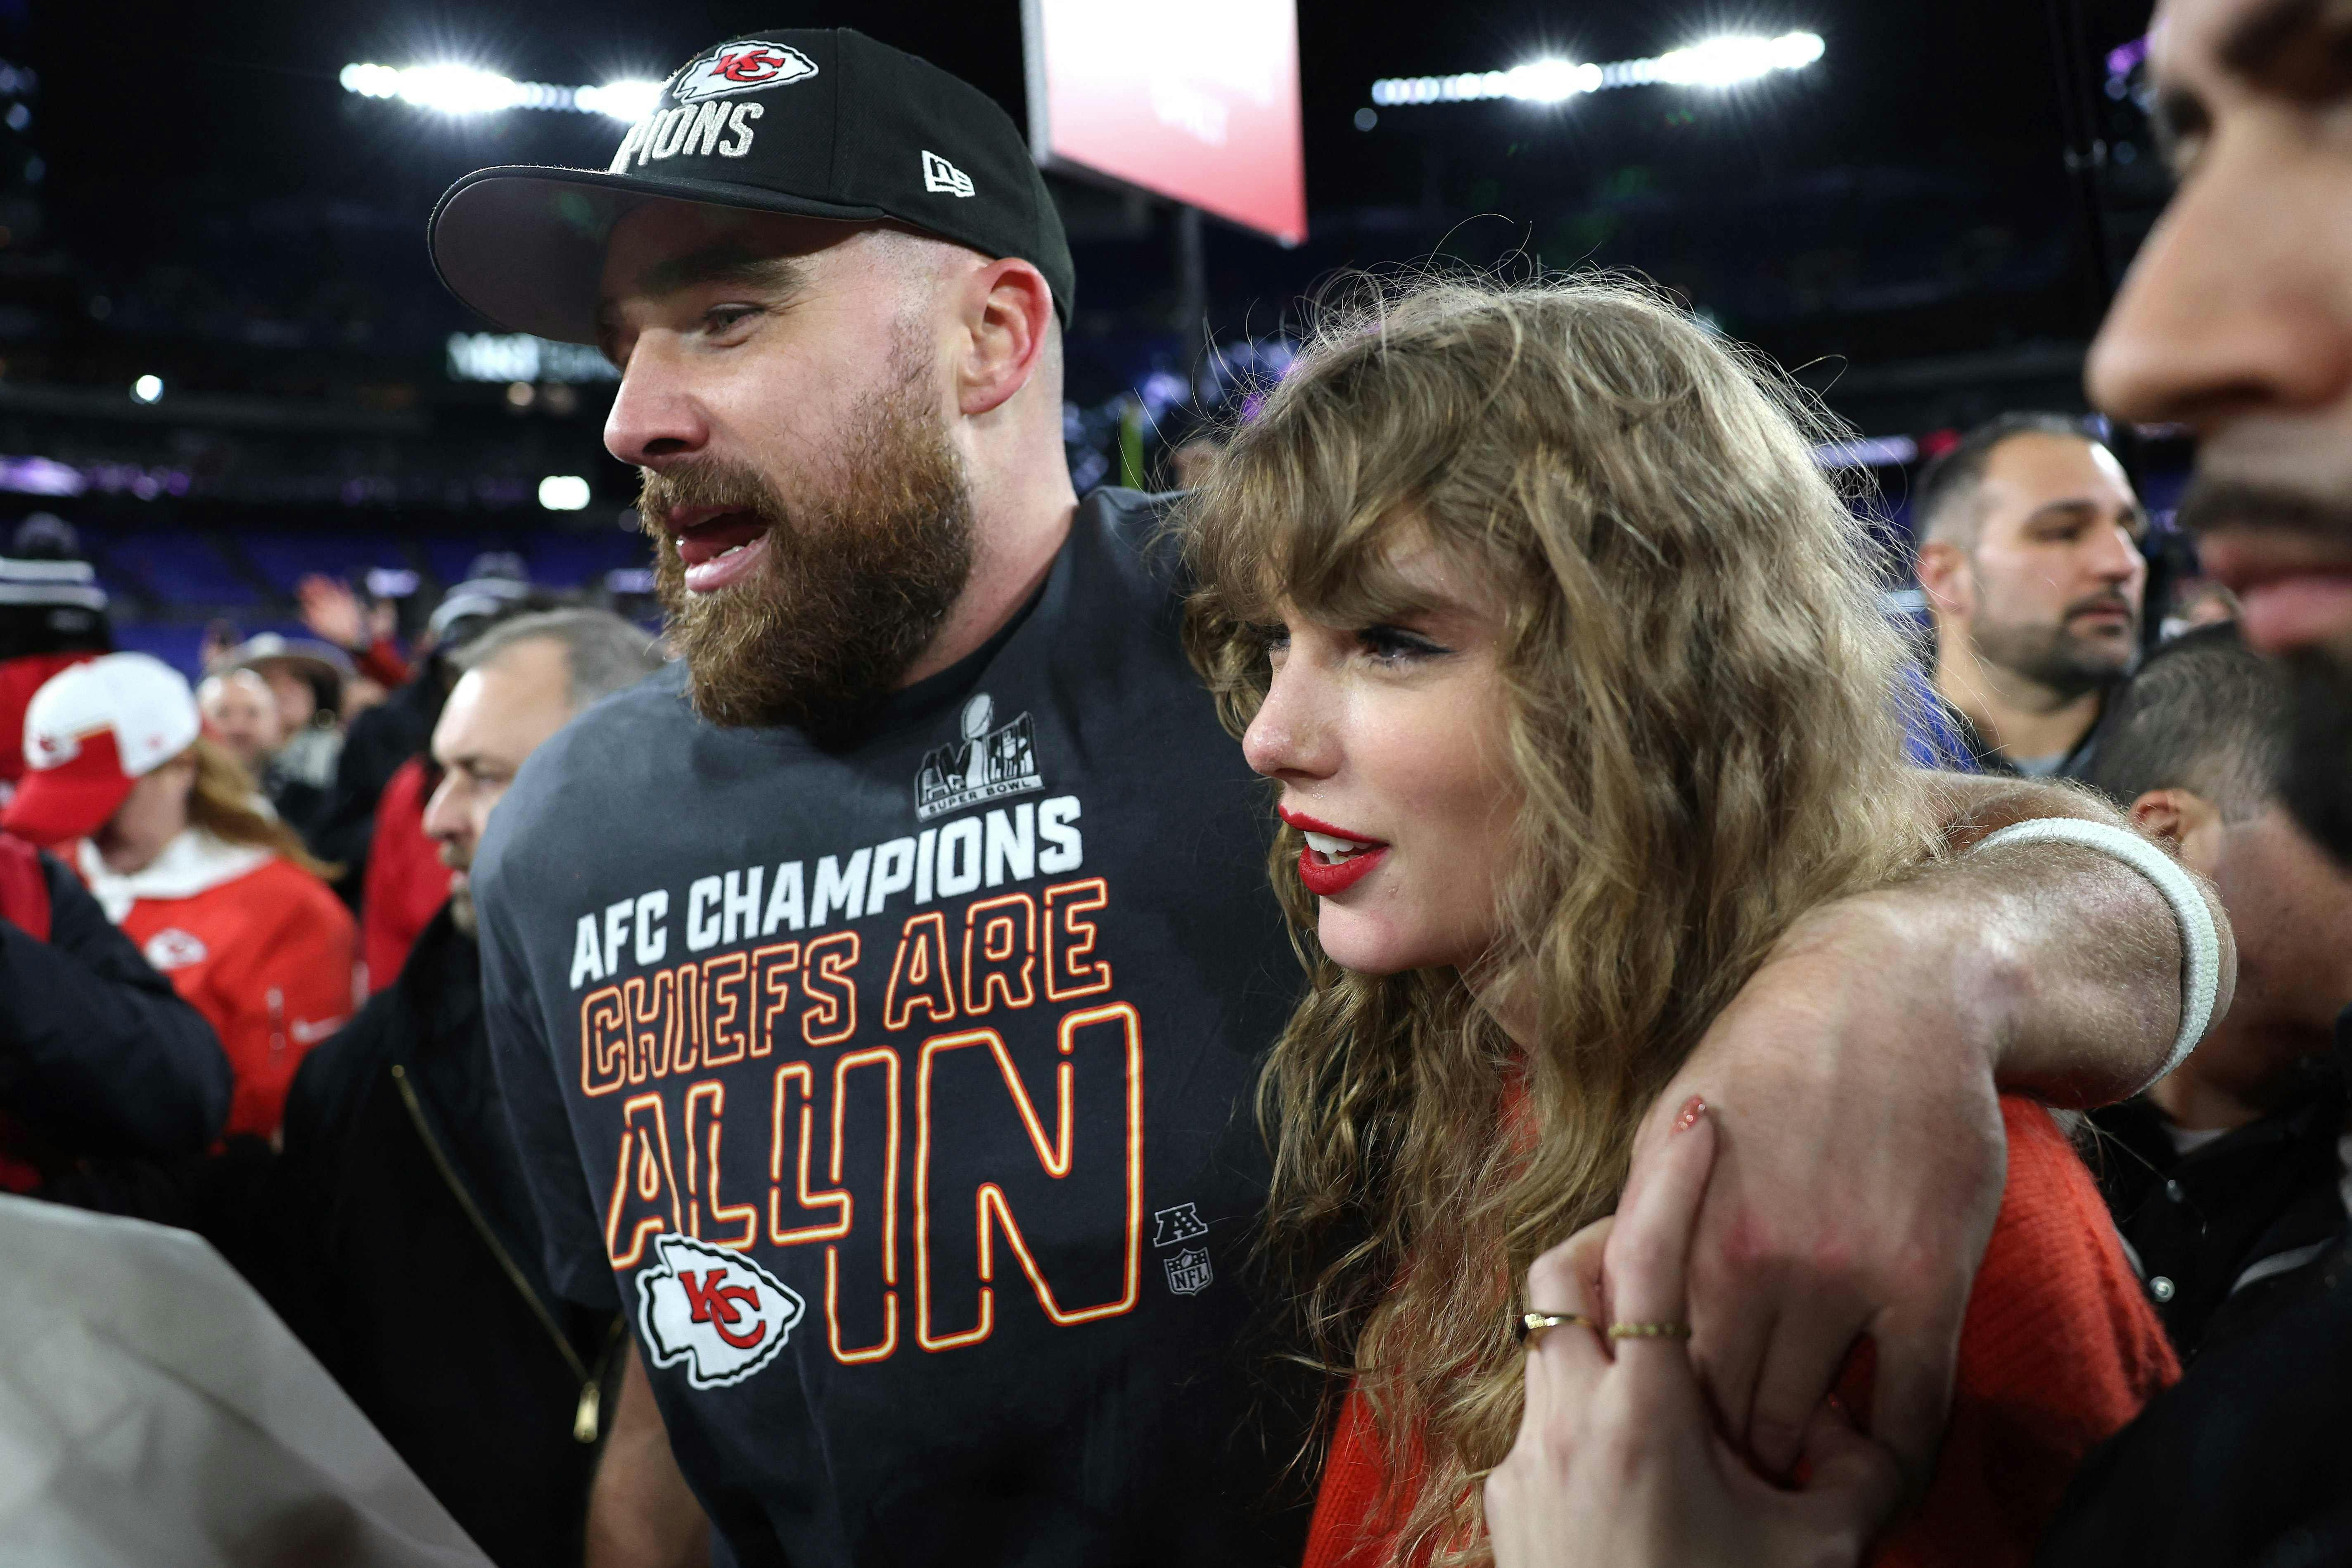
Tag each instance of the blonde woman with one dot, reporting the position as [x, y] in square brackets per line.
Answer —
[1568, 663]
[218, 894]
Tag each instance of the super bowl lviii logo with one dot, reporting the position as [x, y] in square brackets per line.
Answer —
[713, 1309]
[989, 761]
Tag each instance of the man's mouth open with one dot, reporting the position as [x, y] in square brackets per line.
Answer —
[1334, 859]
[717, 547]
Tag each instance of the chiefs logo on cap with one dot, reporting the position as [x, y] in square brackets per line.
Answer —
[713, 1309]
[747, 66]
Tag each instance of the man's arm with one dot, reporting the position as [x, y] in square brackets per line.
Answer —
[96, 1049]
[1856, 1077]
[641, 1513]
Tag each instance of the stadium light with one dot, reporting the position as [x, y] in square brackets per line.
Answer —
[629, 100]
[452, 89]
[148, 388]
[1712, 62]
[563, 492]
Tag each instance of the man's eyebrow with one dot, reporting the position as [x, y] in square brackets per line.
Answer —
[2083, 507]
[2071, 504]
[2295, 47]
[727, 261]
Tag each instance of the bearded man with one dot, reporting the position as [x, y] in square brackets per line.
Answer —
[901, 1102]
[2236, 321]
[2029, 555]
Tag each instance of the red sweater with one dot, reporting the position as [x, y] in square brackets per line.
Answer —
[406, 882]
[252, 941]
[2058, 1351]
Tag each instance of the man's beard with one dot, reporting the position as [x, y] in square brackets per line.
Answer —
[854, 582]
[2055, 656]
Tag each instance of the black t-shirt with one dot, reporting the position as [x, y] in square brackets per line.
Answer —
[901, 1096]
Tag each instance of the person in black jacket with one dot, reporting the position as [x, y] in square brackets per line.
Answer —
[387, 735]
[409, 1256]
[2223, 1175]
[102, 1067]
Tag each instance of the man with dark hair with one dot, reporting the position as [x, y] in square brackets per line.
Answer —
[2224, 1175]
[2030, 557]
[409, 1257]
[878, 996]
[2236, 322]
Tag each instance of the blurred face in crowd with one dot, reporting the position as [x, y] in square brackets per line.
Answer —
[242, 713]
[1389, 743]
[497, 716]
[812, 516]
[298, 700]
[2290, 905]
[154, 813]
[2236, 321]
[2050, 590]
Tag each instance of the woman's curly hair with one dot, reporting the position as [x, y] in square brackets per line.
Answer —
[1703, 702]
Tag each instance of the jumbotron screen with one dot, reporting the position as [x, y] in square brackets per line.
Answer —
[1196, 101]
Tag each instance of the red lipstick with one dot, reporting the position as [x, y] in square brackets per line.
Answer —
[1327, 878]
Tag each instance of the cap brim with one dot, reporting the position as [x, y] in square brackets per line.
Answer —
[309, 663]
[524, 245]
[55, 807]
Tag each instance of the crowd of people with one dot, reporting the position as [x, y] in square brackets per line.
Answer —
[838, 1085]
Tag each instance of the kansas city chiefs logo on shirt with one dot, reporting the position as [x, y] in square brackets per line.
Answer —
[172, 948]
[749, 66]
[713, 1309]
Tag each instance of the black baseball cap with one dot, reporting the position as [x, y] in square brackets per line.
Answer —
[817, 122]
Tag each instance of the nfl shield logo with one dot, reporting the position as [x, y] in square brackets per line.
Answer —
[1189, 1273]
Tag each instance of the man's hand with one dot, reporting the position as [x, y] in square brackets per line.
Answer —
[332, 611]
[1618, 1464]
[640, 1511]
[1862, 1158]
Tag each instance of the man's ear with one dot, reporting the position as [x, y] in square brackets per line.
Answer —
[1944, 575]
[2174, 815]
[1007, 317]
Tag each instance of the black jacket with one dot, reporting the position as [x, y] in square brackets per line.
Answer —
[99, 1060]
[1986, 758]
[410, 1262]
[2246, 1462]
[2219, 1231]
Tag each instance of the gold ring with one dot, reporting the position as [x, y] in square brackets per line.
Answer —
[1649, 1330]
[1534, 1323]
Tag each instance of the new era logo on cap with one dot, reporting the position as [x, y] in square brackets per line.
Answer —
[944, 177]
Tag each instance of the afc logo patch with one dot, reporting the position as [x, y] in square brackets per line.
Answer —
[1189, 1273]
[752, 65]
[1183, 1223]
[713, 1309]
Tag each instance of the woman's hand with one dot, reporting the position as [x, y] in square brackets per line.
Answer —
[1618, 1464]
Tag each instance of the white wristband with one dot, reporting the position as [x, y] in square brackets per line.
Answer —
[2201, 945]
